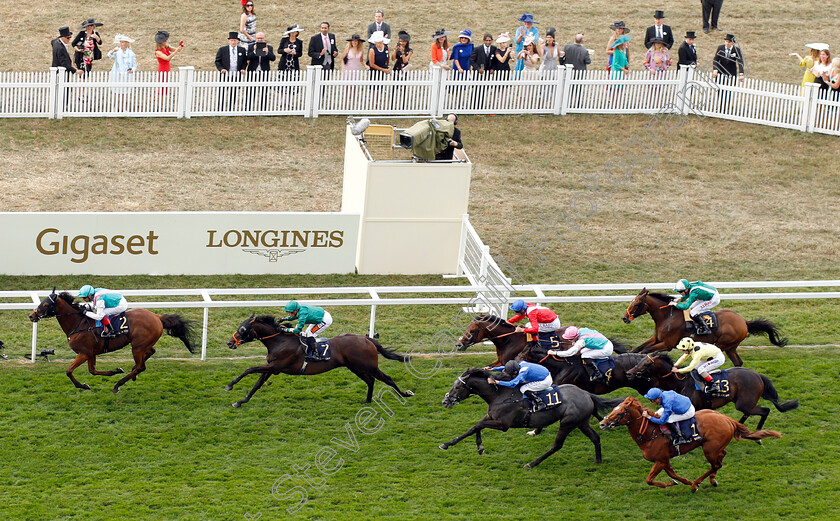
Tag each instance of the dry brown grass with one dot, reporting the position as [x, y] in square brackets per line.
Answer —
[768, 30]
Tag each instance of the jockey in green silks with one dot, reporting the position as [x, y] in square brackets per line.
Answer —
[313, 318]
[696, 297]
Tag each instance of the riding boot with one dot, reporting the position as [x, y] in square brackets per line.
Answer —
[676, 435]
[107, 332]
[311, 352]
[595, 373]
[535, 400]
[712, 387]
[702, 328]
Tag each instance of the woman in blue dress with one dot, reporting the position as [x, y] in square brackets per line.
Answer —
[125, 64]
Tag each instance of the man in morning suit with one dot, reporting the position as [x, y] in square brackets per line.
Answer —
[322, 48]
[378, 25]
[687, 52]
[61, 51]
[728, 63]
[231, 62]
[260, 56]
[659, 30]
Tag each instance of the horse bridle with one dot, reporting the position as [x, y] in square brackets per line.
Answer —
[465, 346]
[52, 312]
[639, 311]
[239, 341]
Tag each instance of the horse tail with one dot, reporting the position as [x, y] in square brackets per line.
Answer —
[761, 326]
[772, 396]
[389, 353]
[603, 404]
[743, 433]
[618, 347]
[179, 327]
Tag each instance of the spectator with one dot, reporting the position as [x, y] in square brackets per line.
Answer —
[231, 62]
[379, 25]
[353, 59]
[657, 58]
[61, 51]
[619, 66]
[260, 55]
[620, 29]
[378, 54]
[821, 67]
[529, 56]
[402, 53]
[552, 56]
[809, 61]
[484, 57]
[728, 59]
[711, 7]
[576, 54]
[455, 142]
[291, 49]
[86, 44]
[504, 53]
[462, 52]
[832, 77]
[440, 49]
[522, 32]
[164, 54]
[659, 30]
[687, 53]
[125, 63]
[248, 25]
[322, 48]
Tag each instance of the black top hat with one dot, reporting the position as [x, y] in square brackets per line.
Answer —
[89, 21]
[402, 35]
[690, 34]
[354, 37]
[64, 32]
[551, 32]
[730, 37]
[659, 14]
[233, 35]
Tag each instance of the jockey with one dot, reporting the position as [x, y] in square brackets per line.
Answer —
[314, 318]
[101, 303]
[674, 407]
[542, 319]
[533, 377]
[591, 345]
[696, 297]
[704, 357]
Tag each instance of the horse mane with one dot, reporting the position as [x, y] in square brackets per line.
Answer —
[67, 297]
[494, 319]
[666, 359]
[661, 296]
[265, 319]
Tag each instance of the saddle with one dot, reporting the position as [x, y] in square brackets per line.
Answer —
[721, 377]
[317, 349]
[605, 366]
[551, 397]
[688, 428]
[708, 317]
[119, 324]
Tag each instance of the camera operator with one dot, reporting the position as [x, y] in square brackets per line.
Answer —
[455, 142]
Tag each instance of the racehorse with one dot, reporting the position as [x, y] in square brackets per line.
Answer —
[745, 387]
[500, 332]
[145, 329]
[286, 354]
[570, 370]
[670, 326]
[506, 408]
[716, 429]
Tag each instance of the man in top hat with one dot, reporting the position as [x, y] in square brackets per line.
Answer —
[659, 30]
[86, 45]
[728, 61]
[687, 52]
[522, 32]
[322, 48]
[231, 62]
[61, 51]
[378, 25]
[711, 7]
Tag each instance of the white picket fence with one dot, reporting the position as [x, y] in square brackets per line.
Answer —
[311, 92]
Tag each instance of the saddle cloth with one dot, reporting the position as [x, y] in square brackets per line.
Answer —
[708, 317]
[722, 378]
[551, 397]
[606, 366]
[323, 350]
[688, 428]
[119, 323]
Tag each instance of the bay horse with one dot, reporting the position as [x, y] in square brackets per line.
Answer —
[506, 408]
[286, 354]
[145, 329]
[716, 429]
[509, 344]
[746, 387]
[669, 325]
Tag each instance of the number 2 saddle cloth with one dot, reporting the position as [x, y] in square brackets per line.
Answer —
[119, 323]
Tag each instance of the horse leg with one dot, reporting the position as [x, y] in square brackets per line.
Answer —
[79, 360]
[478, 444]
[763, 412]
[92, 369]
[669, 469]
[260, 381]
[557, 445]
[246, 372]
[644, 345]
[140, 358]
[535, 432]
[713, 475]
[657, 468]
[715, 459]
[484, 423]
[593, 436]
[732, 353]
[387, 380]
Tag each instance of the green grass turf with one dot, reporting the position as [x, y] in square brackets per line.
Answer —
[170, 446]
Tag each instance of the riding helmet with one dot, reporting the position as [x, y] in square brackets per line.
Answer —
[86, 291]
[292, 306]
[654, 393]
[512, 367]
[686, 344]
[518, 306]
[570, 333]
[681, 285]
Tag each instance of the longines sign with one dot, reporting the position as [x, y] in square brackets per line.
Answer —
[177, 243]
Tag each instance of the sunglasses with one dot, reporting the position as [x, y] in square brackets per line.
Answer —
[249, 5]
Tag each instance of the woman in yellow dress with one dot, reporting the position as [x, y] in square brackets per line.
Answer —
[809, 61]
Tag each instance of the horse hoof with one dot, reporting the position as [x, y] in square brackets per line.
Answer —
[480, 450]
[236, 404]
[443, 446]
[86, 387]
[714, 482]
[532, 433]
[527, 466]
[693, 489]
[228, 388]
[115, 390]
[119, 370]
[409, 393]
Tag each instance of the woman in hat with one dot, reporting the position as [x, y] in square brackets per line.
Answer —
[620, 29]
[291, 49]
[657, 58]
[809, 61]
[551, 54]
[125, 63]
[248, 25]
[529, 56]
[619, 66]
[402, 53]
[86, 44]
[504, 53]
[462, 52]
[821, 66]
[524, 31]
[164, 54]
[378, 54]
[352, 59]
[440, 49]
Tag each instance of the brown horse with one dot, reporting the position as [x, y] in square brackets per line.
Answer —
[509, 344]
[670, 326]
[716, 429]
[745, 387]
[145, 329]
[286, 355]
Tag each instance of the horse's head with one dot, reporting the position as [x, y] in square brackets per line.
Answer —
[48, 307]
[637, 307]
[243, 334]
[643, 369]
[483, 327]
[624, 413]
[461, 388]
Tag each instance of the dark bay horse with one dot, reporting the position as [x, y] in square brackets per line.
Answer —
[507, 409]
[145, 329]
[570, 370]
[669, 325]
[746, 387]
[286, 354]
[716, 429]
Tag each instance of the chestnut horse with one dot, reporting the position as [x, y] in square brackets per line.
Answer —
[670, 326]
[500, 332]
[745, 387]
[145, 329]
[286, 355]
[716, 429]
